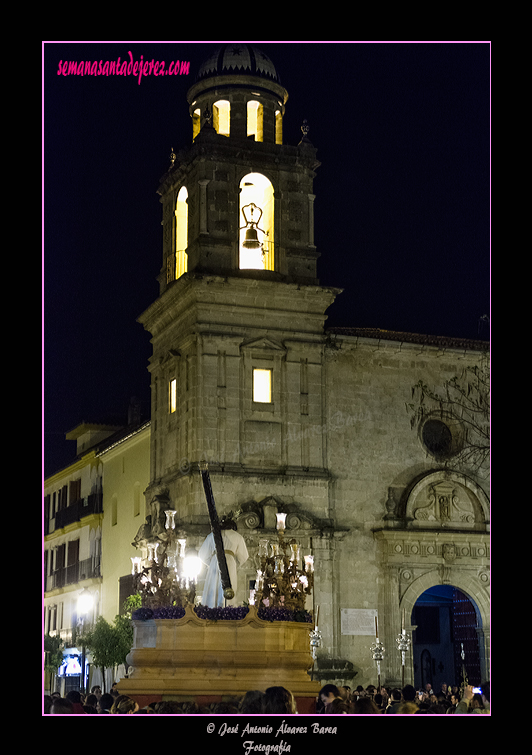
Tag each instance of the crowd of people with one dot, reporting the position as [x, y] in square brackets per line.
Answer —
[331, 700]
[405, 701]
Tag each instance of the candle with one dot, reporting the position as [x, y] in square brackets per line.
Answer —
[281, 521]
[376, 630]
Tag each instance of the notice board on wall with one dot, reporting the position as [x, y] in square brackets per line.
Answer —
[358, 620]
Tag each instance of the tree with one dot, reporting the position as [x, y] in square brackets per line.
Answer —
[462, 407]
[109, 643]
[53, 656]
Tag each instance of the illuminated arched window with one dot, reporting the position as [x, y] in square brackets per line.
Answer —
[181, 233]
[278, 127]
[256, 249]
[221, 112]
[196, 123]
[255, 117]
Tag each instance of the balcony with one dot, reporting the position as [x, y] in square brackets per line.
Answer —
[71, 575]
[92, 504]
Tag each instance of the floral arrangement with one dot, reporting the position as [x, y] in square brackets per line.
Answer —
[276, 613]
[229, 613]
[160, 612]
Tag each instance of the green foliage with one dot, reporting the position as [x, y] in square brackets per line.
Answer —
[53, 653]
[131, 604]
[108, 643]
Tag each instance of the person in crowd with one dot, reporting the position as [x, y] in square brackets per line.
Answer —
[96, 690]
[252, 702]
[364, 706]
[74, 697]
[168, 708]
[279, 700]
[407, 708]
[345, 694]
[61, 707]
[409, 694]
[472, 702]
[326, 695]
[105, 703]
[394, 701]
[124, 704]
[91, 701]
[338, 707]
[379, 701]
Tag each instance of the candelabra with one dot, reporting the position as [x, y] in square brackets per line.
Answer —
[465, 680]
[403, 645]
[280, 580]
[377, 651]
[168, 575]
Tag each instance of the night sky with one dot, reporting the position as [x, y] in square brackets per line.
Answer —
[402, 209]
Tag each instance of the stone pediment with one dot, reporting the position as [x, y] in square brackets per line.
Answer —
[443, 500]
[264, 344]
[262, 515]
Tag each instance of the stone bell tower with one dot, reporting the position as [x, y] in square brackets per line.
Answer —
[238, 201]
[237, 330]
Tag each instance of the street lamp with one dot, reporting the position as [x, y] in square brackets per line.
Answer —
[85, 604]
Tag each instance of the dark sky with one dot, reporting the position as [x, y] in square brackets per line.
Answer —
[402, 210]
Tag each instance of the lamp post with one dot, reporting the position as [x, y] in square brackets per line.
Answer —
[85, 604]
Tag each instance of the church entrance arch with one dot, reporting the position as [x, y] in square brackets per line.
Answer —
[450, 630]
[445, 642]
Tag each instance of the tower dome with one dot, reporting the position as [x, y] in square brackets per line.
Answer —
[238, 87]
[238, 58]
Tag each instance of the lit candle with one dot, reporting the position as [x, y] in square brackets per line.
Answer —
[170, 519]
[281, 518]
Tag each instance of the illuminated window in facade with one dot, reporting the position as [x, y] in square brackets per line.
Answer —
[262, 386]
[278, 127]
[181, 233]
[255, 120]
[221, 112]
[172, 396]
[256, 223]
[196, 123]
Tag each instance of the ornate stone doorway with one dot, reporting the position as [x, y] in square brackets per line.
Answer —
[446, 622]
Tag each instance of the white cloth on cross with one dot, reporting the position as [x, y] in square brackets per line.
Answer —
[236, 554]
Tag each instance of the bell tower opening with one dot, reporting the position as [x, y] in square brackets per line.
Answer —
[256, 230]
[181, 233]
[255, 112]
[221, 117]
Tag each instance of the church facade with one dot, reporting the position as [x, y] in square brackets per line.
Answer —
[292, 417]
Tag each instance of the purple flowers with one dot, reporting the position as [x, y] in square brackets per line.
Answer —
[273, 613]
[229, 613]
[168, 612]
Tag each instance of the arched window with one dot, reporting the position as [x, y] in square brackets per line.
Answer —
[254, 120]
[221, 112]
[278, 127]
[196, 123]
[181, 233]
[256, 248]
